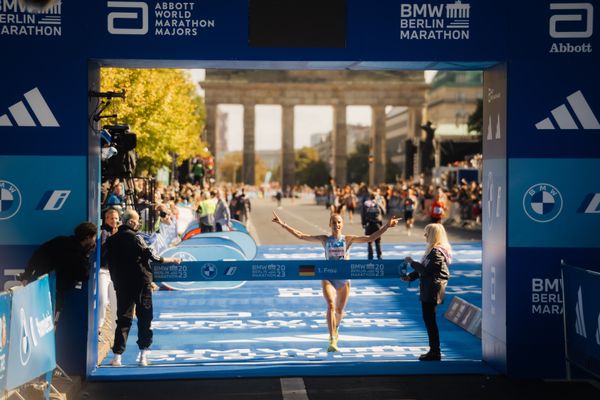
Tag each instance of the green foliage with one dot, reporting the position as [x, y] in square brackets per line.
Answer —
[475, 121]
[358, 163]
[230, 168]
[310, 169]
[163, 109]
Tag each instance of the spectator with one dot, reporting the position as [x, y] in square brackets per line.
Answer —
[372, 220]
[222, 214]
[128, 260]
[206, 213]
[106, 291]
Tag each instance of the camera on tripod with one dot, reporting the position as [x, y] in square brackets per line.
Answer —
[122, 163]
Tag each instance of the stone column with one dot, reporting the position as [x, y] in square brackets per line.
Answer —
[288, 166]
[210, 127]
[338, 144]
[415, 121]
[377, 166]
[248, 175]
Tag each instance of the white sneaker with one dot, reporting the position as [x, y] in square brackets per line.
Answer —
[144, 358]
[116, 361]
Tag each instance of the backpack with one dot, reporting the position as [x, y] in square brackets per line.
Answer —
[373, 212]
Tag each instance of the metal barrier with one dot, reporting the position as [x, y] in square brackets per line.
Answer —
[27, 342]
[581, 317]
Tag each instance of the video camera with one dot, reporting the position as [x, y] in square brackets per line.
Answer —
[122, 164]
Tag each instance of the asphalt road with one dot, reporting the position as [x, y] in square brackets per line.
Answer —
[309, 218]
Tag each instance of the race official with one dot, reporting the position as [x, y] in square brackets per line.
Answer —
[129, 265]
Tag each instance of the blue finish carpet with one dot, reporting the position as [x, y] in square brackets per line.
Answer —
[278, 328]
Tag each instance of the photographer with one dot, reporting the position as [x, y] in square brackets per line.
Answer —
[68, 256]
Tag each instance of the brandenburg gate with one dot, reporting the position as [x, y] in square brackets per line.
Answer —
[337, 89]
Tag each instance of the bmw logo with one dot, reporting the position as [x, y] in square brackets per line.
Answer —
[184, 255]
[542, 202]
[10, 200]
[209, 271]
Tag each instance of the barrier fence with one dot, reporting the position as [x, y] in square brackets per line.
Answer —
[581, 318]
[27, 341]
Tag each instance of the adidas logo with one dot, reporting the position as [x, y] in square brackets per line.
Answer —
[579, 321]
[565, 120]
[21, 115]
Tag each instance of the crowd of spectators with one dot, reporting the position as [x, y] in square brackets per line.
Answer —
[458, 205]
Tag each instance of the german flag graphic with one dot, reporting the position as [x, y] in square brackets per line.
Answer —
[307, 270]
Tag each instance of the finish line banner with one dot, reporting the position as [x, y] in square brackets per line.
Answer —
[279, 270]
[582, 317]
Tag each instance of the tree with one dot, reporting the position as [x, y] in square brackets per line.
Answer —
[230, 167]
[475, 120]
[310, 169]
[358, 163]
[163, 109]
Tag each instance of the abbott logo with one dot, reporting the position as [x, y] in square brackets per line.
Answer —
[564, 119]
[21, 115]
[556, 21]
[579, 321]
[141, 13]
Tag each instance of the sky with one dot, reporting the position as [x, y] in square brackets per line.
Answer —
[307, 120]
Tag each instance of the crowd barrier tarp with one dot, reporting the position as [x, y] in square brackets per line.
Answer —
[238, 226]
[190, 266]
[582, 318]
[193, 229]
[243, 240]
[31, 352]
[4, 337]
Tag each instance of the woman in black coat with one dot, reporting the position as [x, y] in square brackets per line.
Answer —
[433, 273]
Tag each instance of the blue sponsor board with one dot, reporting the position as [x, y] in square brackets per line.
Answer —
[278, 270]
[32, 349]
[551, 206]
[4, 337]
[41, 197]
[582, 317]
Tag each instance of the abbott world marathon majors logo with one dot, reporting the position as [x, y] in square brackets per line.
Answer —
[17, 20]
[10, 200]
[171, 18]
[570, 25]
[435, 21]
[542, 202]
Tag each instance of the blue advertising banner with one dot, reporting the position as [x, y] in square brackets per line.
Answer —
[582, 317]
[551, 206]
[31, 351]
[37, 191]
[279, 270]
[4, 337]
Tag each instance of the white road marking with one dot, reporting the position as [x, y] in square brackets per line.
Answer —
[293, 389]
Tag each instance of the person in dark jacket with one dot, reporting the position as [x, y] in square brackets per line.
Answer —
[128, 262]
[433, 273]
[68, 256]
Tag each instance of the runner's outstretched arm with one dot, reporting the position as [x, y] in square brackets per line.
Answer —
[375, 235]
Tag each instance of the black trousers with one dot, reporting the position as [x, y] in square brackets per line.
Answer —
[127, 299]
[431, 325]
[369, 229]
